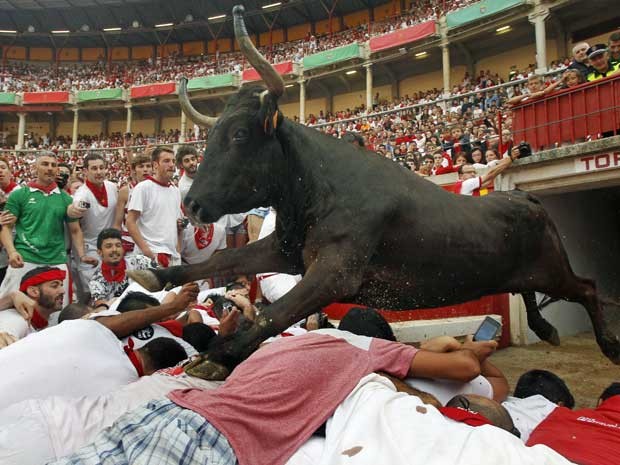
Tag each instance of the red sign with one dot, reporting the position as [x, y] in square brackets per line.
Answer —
[45, 97]
[402, 36]
[153, 90]
[281, 68]
[598, 162]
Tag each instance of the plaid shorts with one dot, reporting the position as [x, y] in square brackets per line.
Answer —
[160, 432]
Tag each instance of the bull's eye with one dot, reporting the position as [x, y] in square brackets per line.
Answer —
[241, 135]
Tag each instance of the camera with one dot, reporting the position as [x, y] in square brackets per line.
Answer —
[83, 204]
[525, 150]
[62, 180]
[184, 222]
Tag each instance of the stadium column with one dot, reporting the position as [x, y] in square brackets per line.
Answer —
[445, 54]
[368, 67]
[128, 126]
[21, 131]
[74, 133]
[183, 127]
[537, 17]
[302, 100]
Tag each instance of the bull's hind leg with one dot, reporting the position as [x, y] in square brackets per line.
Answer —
[583, 291]
[541, 327]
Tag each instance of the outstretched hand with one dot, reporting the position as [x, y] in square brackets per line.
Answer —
[482, 349]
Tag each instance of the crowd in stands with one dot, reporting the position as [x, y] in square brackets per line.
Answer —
[18, 76]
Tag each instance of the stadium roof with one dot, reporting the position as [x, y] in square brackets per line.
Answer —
[34, 20]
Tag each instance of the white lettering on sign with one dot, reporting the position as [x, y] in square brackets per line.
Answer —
[597, 162]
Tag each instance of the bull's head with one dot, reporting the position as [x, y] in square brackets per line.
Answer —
[239, 159]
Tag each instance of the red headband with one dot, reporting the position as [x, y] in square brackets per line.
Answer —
[50, 275]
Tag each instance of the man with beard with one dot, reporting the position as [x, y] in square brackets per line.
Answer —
[44, 286]
[97, 199]
[111, 280]
[153, 211]
[141, 167]
[187, 160]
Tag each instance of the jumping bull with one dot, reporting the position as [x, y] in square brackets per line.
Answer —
[360, 228]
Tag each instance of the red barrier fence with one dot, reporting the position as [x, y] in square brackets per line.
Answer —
[45, 97]
[402, 36]
[281, 68]
[586, 112]
[495, 304]
[153, 90]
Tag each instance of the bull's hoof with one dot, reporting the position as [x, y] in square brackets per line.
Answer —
[147, 279]
[554, 338]
[204, 368]
[610, 346]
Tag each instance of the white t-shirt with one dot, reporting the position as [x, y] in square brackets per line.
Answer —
[97, 217]
[185, 182]
[13, 323]
[528, 413]
[75, 358]
[200, 243]
[470, 185]
[4, 257]
[159, 207]
[444, 389]
[61, 425]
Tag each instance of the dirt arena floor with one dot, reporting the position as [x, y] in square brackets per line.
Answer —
[578, 361]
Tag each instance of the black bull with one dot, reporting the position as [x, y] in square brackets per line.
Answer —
[362, 229]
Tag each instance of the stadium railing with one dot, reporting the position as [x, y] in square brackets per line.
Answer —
[585, 112]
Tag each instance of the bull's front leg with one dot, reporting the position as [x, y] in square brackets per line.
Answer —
[262, 256]
[333, 276]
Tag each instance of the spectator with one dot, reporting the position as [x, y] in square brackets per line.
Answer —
[154, 210]
[44, 286]
[614, 47]
[41, 209]
[141, 167]
[600, 63]
[573, 77]
[580, 58]
[187, 161]
[470, 184]
[96, 202]
[111, 280]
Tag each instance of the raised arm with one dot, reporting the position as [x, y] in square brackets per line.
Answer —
[126, 323]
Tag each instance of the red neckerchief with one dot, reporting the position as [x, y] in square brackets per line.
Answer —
[99, 192]
[133, 357]
[45, 189]
[151, 178]
[37, 321]
[114, 273]
[202, 238]
[208, 309]
[10, 186]
[173, 326]
[464, 416]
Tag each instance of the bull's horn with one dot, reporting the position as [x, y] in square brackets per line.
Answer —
[274, 81]
[190, 111]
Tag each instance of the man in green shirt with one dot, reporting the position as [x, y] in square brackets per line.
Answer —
[40, 209]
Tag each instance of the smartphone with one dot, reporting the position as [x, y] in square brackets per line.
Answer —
[488, 330]
[83, 204]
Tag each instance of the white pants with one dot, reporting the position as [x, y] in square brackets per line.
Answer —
[14, 276]
[24, 435]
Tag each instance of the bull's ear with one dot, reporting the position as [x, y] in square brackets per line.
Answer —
[269, 115]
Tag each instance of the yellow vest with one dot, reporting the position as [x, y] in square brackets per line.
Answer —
[594, 75]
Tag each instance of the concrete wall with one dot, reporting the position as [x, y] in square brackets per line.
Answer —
[588, 224]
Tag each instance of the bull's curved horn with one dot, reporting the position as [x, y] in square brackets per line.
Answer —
[189, 110]
[274, 81]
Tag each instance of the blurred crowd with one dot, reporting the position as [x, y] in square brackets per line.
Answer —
[32, 77]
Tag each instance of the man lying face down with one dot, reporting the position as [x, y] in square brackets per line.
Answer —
[280, 395]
